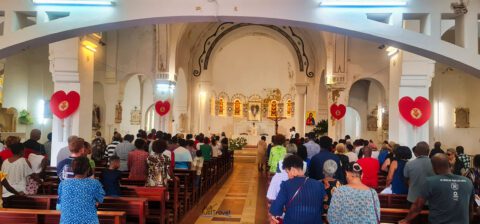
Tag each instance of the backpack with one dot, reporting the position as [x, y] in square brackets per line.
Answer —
[98, 149]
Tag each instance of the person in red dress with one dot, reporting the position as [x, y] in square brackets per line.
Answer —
[370, 167]
[137, 161]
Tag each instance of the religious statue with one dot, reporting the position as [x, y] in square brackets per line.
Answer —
[96, 117]
[237, 108]
[289, 108]
[253, 130]
[273, 109]
[254, 111]
[182, 125]
[118, 113]
[220, 106]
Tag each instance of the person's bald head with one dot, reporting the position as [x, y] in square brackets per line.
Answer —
[422, 149]
[440, 164]
[35, 134]
[367, 152]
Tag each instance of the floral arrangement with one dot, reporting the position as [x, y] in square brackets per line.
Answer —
[237, 143]
[25, 117]
[321, 128]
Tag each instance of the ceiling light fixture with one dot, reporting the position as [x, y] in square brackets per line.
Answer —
[73, 2]
[363, 3]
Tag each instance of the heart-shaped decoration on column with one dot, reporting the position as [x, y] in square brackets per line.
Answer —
[162, 107]
[338, 111]
[63, 105]
[417, 112]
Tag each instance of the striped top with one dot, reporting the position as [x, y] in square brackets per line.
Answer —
[111, 149]
[306, 207]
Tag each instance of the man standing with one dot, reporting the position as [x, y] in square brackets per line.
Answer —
[462, 157]
[64, 169]
[449, 196]
[122, 149]
[312, 147]
[98, 147]
[437, 148]
[117, 138]
[417, 171]
[33, 144]
[65, 151]
[315, 168]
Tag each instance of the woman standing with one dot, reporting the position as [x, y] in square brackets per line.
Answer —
[137, 161]
[17, 169]
[277, 153]
[206, 149]
[300, 197]
[395, 175]
[158, 165]
[455, 164]
[78, 196]
[354, 202]
[331, 184]
[261, 150]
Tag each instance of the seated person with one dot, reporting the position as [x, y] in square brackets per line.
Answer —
[183, 157]
[110, 177]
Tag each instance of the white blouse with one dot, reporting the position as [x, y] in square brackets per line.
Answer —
[17, 173]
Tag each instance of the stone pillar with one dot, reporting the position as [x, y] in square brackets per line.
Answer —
[300, 108]
[336, 128]
[410, 75]
[203, 95]
[71, 66]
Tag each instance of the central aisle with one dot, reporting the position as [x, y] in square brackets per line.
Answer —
[238, 198]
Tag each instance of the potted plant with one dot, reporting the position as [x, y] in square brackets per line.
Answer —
[237, 143]
[24, 117]
[321, 128]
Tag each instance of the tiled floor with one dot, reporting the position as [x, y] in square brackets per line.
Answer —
[236, 201]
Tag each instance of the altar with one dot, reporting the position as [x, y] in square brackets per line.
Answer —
[253, 130]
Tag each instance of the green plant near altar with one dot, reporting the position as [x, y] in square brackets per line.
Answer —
[321, 128]
[24, 117]
[237, 143]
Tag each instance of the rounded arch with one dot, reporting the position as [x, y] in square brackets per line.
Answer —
[353, 123]
[286, 33]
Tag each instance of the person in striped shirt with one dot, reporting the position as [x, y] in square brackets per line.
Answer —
[117, 138]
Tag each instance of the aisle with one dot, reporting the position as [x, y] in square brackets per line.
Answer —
[237, 199]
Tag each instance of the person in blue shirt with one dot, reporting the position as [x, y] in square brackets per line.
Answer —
[315, 168]
[110, 177]
[300, 197]
[78, 196]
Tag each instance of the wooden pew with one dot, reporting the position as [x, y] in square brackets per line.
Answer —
[156, 196]
[393, 215]
[31, 216]
[393, 201]
[135, 208]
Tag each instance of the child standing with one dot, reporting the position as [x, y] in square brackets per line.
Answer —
[111, 177]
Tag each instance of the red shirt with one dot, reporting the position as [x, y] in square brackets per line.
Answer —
[5, 154]
[137, 164]
[370, 167]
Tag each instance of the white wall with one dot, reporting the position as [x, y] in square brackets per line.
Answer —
[451, 89]
[131, 100]
[247, 66]
[28, 82]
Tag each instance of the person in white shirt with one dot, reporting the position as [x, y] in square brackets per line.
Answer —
[17, 169]
[216, 148]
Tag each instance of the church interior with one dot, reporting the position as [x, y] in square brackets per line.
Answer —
[239, 79]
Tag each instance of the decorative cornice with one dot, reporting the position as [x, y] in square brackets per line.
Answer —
[225, 28]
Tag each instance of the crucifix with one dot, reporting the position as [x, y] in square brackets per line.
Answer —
[276, 119]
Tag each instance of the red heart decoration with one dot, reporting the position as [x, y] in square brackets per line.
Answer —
[162, 107]
[416, 112]
[338, 111]
[63, 105]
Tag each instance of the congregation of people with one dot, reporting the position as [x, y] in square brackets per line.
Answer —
[147, 158]
[317, 180]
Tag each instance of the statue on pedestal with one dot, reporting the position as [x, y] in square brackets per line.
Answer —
[253, 130]
[118, 113]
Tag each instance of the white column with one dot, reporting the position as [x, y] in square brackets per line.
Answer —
[204, 95]
[414, 81]
[300, 108]
[71, 66]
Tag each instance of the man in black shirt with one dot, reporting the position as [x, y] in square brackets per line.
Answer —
[437, 148]
[33, 144]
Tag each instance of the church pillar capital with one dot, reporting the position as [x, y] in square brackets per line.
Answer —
[301, 88]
